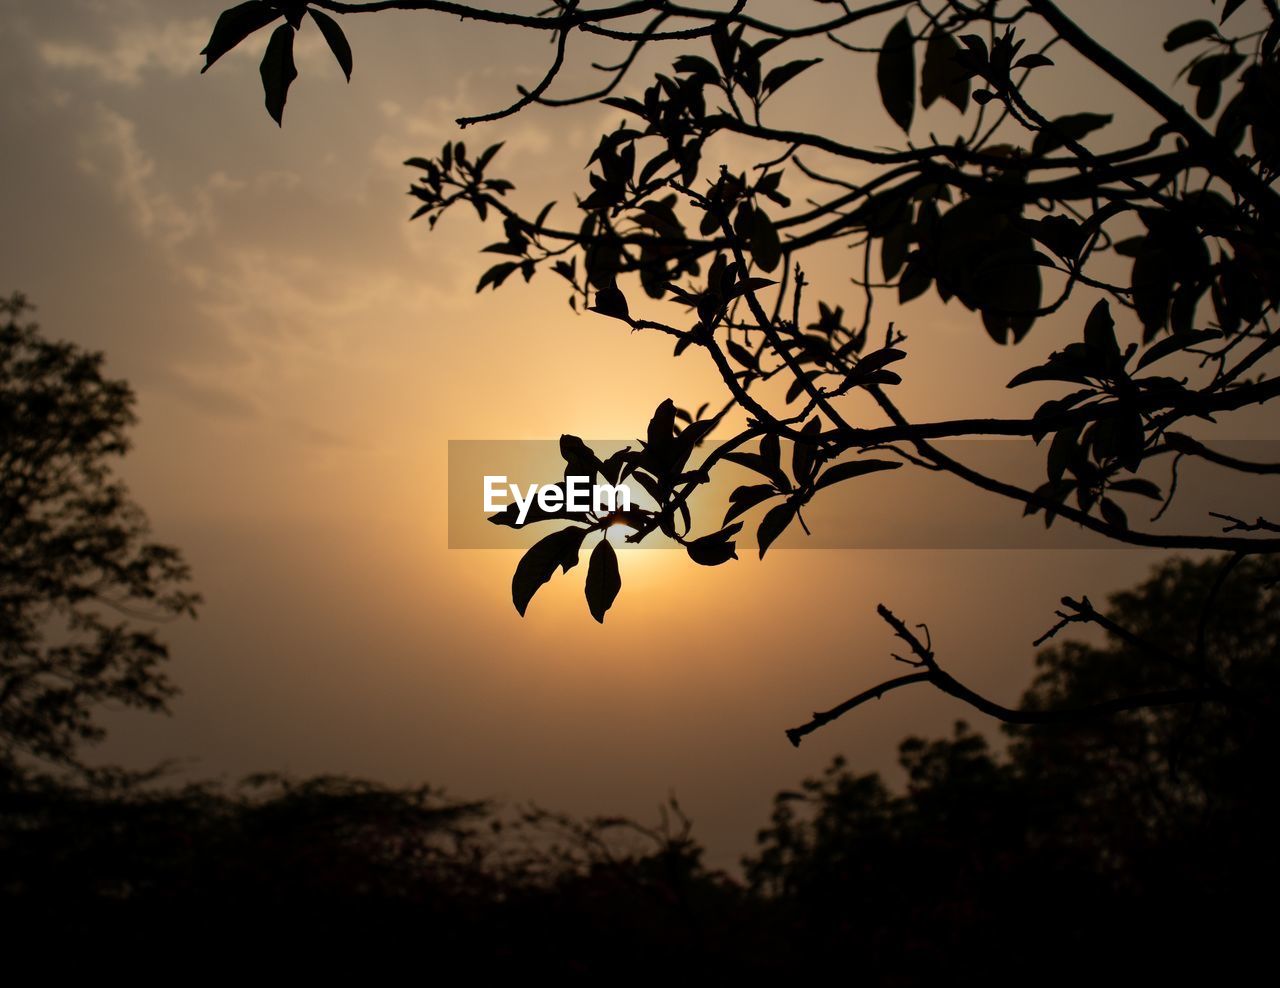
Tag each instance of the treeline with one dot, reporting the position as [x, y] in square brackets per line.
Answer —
[1145, 839]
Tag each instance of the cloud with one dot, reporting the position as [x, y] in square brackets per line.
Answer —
[155, 213]
[168, 48]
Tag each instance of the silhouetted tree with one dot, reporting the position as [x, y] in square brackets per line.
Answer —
[1136, 835]
[1145, 837]
[1004, 209]
[80, 584]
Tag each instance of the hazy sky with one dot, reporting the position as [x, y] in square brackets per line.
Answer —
[302, 356]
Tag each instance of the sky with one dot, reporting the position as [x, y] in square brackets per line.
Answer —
[302, 356]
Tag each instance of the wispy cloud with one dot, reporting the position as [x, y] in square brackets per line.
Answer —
[169, 48]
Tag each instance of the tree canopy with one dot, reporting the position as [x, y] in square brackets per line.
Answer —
[1142, 838]
[997, 206]
[81, 584]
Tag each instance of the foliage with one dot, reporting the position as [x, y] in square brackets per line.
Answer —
[1169, 240]
[1134, 839]
[1116, 836]
[79, 580]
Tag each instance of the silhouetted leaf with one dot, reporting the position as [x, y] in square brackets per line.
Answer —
[1229, 8]
[853, 468]
[766, 250]
[799, 384]
[865, 369]
[804, 452]
[896, 74]
[336, 39]
[278, 71]
[696, 66]
[1100, 331]
[779, 77]
[603, 579]
[1073, 127]
[1062, 235]
[716, 549]
[1033, 61]
[774, 523]
[234, 25]
[893, 250]
[744, 498]
[536, 567]
[579, 459]
[1152, 283]
[1061, 451]
[1137, 485]
[942, 76]
[1209, 74]
[915, 281]
[1114, 515]
[662, 426]
[611, 302]
[496, 275]
[1189, 33]
[1173, 344]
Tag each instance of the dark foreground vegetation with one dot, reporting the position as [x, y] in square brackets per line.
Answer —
[1146, 839]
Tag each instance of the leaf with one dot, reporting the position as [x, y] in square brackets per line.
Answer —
[611, 302]
[603, 579]
[1033, 61]
[1137, 485]
[536, 567]
[1073, 127]
[915, 281]
[1100, 331]
[766, 250]
[496, 275]
[800, 383]
[1172, 344]
[715, 549]
[1215, 68]
[278, 71]
[694, 65]
[854, 468]
[774, 523]
[893, 250]
[233, 26]
[741, 354]
[1229, 8]
[1114, 514]
[779, 77]
[873, 362]
[943, 77]
[1062, 235]
[1152, 282]
[744, 498]
[1189, 33]
[337, 40]
[896, 74]
[579, 458]
[483, 161]
[804, 460]
[662, 426]
[1061, 451]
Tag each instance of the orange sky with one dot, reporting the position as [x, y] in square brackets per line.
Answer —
[303, 355]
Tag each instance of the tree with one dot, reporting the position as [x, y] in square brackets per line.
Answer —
[78, 578]
[1170, 240]
[1143, 837]
[1118, 836]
